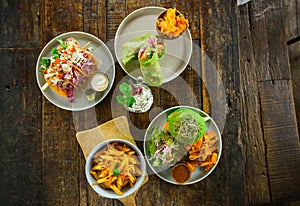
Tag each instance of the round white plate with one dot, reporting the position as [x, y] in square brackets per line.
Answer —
[159, 121]
[141, 21]
[106, 65]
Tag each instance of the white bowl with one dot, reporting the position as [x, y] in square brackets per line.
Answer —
[110, 193]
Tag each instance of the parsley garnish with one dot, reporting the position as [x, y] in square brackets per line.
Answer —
[116, 171]
[54, 53]
[62, 43]
[45, 63]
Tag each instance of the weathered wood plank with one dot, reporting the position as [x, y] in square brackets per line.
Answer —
[59, 17]
[132, 5]
[257, 184]
[21, 128]
[219, 44]
[115, 14]
[60, 148]
[269, 40]
[19, 23]
[94, 18]
[282, 139]
[292, 18]
[263, 57]
[60, 157]
[294, 57]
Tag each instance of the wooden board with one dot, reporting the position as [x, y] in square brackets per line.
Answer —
[19, 29]
[117, 128]
[63, 161]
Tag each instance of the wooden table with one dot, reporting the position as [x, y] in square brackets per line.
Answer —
[254, 49]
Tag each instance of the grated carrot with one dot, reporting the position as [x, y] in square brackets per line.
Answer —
[173, 23]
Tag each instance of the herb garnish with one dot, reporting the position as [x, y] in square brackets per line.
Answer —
[127, 99]
[62, 43]
[54, 53]
[45, 63]
[116, 170]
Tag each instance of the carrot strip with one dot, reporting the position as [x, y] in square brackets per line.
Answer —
[190, 166]
[77, 68]
[166, 126]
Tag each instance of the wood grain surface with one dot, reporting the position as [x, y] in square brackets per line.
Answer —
[267, 102]
[243, 72]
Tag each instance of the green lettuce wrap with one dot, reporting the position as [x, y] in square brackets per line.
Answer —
[147, 49]
[131, 49]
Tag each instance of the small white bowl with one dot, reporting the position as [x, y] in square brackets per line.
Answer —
[168, 36]
[110, 193]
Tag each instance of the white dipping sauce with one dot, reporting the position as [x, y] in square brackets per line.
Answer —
[99, 82]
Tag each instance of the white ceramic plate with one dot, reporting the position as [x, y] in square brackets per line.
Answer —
[106, 65]
[141, 21]
[165, 174]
